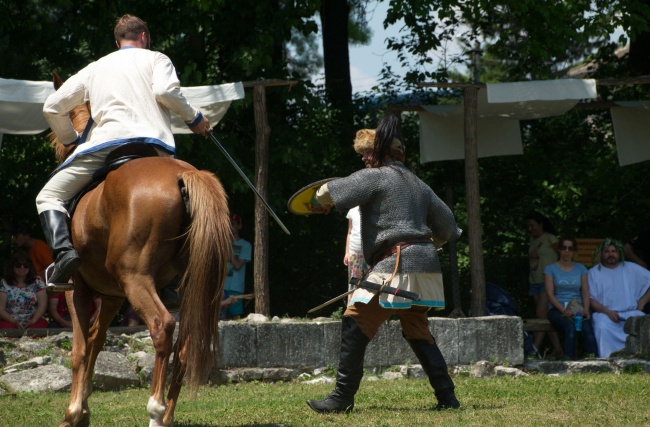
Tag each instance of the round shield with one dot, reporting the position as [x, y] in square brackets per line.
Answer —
[301, 202]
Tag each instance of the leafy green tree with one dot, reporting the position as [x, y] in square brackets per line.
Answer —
[532, 38]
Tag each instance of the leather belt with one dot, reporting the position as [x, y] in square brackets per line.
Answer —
[398, 246]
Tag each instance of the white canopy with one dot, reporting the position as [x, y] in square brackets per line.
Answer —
[630, 119]
[21, 105]
[500, 108]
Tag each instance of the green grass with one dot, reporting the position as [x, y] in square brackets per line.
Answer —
[538, 400]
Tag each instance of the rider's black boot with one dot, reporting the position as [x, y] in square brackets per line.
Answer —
[66, 259]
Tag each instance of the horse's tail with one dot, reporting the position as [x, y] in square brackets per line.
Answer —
[208, 249]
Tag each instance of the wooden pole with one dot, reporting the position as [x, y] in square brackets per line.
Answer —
[477, 270]
[454, 276]
[261, 243]
[260, 252]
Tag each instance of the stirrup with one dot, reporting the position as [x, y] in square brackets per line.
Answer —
[55, 288]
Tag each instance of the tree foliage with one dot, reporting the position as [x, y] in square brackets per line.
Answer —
[569, 168]
[529, 38]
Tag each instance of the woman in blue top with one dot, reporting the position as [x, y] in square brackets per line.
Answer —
[564, 281]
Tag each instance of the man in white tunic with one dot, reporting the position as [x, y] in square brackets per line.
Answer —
[131, 93]
[618, 290]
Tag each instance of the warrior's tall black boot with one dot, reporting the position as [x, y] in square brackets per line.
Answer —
[350, 372]
[435, 367]
[66, 259]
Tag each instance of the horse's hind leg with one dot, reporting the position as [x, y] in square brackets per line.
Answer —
[178, 372]
[141, 293]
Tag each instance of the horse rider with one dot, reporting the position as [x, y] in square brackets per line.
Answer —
[131, 92]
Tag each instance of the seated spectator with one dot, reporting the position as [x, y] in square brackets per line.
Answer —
[23, 300]
[58, 311]
[566, 281]
[39, 252]
[618, 290]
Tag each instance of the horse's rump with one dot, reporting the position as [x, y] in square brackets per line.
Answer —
[136, 223]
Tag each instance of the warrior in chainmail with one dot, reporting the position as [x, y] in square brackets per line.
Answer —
[403, 223]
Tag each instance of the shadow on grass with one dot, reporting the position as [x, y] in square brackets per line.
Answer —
[432, 409]
[176, 424]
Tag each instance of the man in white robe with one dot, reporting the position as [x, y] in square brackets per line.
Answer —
[618, 290]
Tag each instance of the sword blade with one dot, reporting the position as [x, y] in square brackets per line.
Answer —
[325, 304]
[250, 184]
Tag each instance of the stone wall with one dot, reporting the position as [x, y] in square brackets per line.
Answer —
[282, 350]
[638, 338]
[311, 344]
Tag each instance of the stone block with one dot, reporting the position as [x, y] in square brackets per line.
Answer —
[377, 350]
[46, 378]
[644, 336]
[238, 344]
[591, 366]
[632, 344]
[445, 332]
[399, 351]
[547, 367]
[493, 338]
[290, 345]
[228, 377]
[279, 374]
[331, 343]
[632, 325]
[252, 374]
[633, 365]
[113, 372]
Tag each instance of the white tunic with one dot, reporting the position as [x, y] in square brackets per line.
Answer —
[617, 289]
[355, 235]
[131, 92]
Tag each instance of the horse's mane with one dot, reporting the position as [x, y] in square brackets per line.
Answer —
[79, 117]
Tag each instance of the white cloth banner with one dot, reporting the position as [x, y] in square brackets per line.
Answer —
[499, 109]
[21, 104]
[442, 138]
[630, 119]
[541, 90]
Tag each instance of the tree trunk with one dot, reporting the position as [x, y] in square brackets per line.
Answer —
[260, 252]
[640, 50]
[336, 55]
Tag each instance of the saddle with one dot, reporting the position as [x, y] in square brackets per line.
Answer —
[114, 160]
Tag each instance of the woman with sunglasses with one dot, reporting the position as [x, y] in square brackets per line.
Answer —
[566, 280]
[23, 299]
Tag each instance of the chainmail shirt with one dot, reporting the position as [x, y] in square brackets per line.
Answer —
[396, 206]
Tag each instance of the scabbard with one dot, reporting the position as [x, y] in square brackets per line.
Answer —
[386, 289]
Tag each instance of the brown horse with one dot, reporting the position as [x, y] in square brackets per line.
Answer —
[135, 232]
